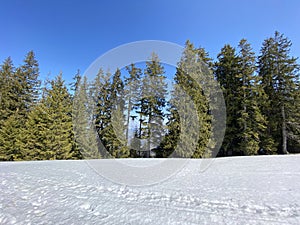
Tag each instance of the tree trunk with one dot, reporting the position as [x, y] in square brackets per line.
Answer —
[244, 105]
[284, 132]
[149, 136]
[128, 119]
[140, 132]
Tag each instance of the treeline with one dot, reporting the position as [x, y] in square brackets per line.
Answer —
[133, 112]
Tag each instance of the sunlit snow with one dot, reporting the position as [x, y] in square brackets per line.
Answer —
[237, 190]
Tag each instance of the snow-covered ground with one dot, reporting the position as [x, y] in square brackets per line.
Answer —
[240, 190]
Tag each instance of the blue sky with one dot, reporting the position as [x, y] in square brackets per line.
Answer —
[67, 35]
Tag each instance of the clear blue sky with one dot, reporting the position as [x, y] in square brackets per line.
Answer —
[67, 35]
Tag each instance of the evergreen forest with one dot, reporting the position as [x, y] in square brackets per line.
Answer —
[133, 113]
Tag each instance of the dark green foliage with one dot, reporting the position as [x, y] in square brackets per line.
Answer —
[11, 147]
[294, 124]
[30, 73]
[251, 123]
[108, 95]
[153, 103]
[170, 141]
[279, 79]
[49, 129]
[245, 123]
[131, 94]
[85, 135]
[114, 134]
[189, 112]
[10, 89]
[101, 107]
[227, 74]
[119, 117]
[18, 94]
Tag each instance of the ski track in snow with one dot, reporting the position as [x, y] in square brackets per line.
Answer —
[240, 190]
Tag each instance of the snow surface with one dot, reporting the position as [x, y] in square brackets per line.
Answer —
[239, 190]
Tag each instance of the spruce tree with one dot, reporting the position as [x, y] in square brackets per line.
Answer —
[108, 99]
[251, 122]
[189, 125]
[227, 70]
[8, 97]
[100, 93]
[153, 102]
[49, 130]
[12, 109]
[30, 75]
[279, 75]
[85, 136]
[294, 124]
[173, 126]
[132, 91]
[11, 147]
[114, 133]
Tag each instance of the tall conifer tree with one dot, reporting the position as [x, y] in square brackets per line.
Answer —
[49, 133]
[154, 102]
[279, 75]
[227, 70]
[251, 122]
